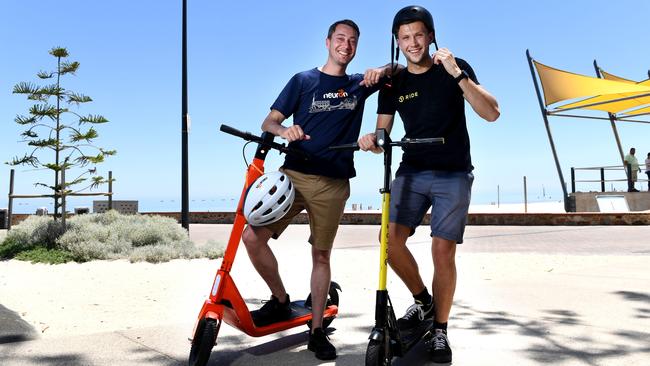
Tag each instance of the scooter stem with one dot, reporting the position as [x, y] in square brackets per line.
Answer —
[383, 251]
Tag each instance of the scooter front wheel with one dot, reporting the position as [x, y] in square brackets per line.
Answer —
[204, 339]
[377, 354]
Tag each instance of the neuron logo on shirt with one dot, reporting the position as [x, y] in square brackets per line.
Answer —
[338, 94]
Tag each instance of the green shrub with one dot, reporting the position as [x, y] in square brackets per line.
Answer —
[103, 236]
[43, 255]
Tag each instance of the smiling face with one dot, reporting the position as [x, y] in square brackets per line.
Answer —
[414, 40]
[342, 45]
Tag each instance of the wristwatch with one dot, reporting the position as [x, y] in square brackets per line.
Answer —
[463, 75]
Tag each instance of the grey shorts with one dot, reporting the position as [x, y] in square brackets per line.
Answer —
[447, 193]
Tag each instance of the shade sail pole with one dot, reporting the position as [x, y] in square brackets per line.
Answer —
[612, 120]
[567, 206]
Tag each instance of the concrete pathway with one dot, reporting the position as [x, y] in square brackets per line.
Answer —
[526, 296]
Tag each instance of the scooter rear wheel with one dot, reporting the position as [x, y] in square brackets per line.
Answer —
[203, 341]
[376, 354]
[332, 299]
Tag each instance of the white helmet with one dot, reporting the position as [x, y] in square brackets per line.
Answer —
[268, 199]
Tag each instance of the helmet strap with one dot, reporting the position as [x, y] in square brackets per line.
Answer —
[394, 55]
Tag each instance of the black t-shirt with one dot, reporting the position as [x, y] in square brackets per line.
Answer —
[431, 104]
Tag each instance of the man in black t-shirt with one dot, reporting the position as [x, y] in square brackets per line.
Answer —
[430, 97]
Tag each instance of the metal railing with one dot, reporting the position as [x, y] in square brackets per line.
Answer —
[61, 194]
[627, 174]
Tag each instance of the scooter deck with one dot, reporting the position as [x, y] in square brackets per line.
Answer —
[298, 310]
[411, 338]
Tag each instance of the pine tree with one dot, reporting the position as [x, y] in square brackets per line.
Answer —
[59, 129]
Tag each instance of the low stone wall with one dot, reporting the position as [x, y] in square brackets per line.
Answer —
[532, 219]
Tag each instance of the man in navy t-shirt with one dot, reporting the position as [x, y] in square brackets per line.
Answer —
[327, 107]
[430, 97]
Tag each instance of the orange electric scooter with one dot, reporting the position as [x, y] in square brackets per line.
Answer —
[225, 303]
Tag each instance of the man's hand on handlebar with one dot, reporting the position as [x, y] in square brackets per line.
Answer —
[294, 133]
[368, 142]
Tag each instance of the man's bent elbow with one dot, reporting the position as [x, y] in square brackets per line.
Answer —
[492, 115]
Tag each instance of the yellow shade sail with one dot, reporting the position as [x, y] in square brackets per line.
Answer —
[644, 110]
[609, 76]
[609, 102]
[561, 85]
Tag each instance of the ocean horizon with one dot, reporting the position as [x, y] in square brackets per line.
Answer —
[229, 204]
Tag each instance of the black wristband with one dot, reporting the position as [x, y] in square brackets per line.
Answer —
[463, 75]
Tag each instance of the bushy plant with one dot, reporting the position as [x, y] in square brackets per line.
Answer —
[104, 236]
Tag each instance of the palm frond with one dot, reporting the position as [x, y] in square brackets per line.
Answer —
[53, 166]
[43, 185]
[75, 182]
[25, 88]
[50, 90]
[43, 143]
[88, 136]
[78, 98]
[59, 52]
[29, 134]
[22, 120]
[92, 119]
[44, 74]
[38, 97]
[98, 181]
[25, 160]
[69, 67]
[43, 110]
[87, 159]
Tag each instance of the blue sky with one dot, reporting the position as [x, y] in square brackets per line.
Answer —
[242, 53]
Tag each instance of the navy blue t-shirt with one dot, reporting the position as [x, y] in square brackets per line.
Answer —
[431, 104]
[328, 109]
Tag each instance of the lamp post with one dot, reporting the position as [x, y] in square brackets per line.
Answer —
[185, 201]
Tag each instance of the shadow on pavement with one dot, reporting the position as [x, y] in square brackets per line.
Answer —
[551, 342]
[13, 328]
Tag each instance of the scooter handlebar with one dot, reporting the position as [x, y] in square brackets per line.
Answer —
[353, 146]
[235, 132]
[422, 141]
[274, 145]
[403, 142]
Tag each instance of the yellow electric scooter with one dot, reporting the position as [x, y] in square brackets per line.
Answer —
[386, 340]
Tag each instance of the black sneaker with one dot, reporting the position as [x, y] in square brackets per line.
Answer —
[319, 343]
[414, 316]
[272, 311]
[439, 349]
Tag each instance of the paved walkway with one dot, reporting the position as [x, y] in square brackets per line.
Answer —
[526, 296]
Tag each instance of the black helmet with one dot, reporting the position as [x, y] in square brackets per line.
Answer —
[408, 15]
[412, 14]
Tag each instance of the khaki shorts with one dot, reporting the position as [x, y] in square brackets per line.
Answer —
[324, 200]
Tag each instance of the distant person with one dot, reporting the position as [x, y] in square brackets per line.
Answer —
[647, 169]
[327, 107]
[430, 96]
[632, 168]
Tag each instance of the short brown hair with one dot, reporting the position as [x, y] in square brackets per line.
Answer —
[347, 22]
